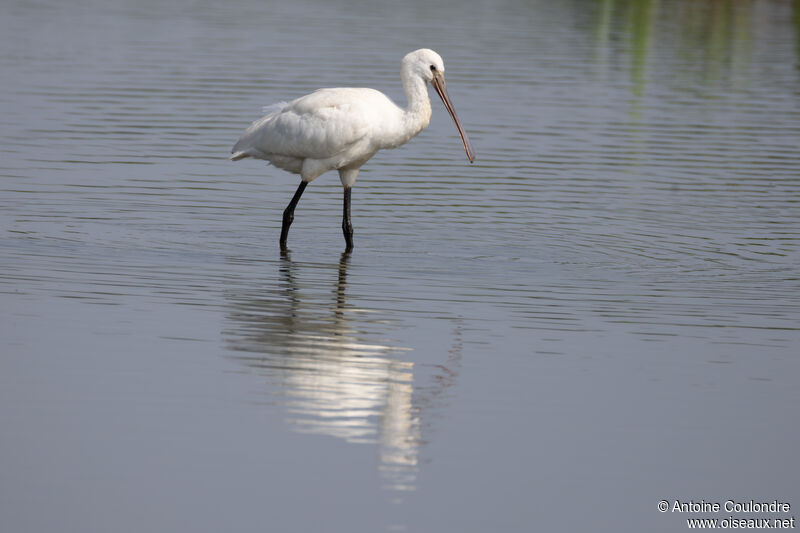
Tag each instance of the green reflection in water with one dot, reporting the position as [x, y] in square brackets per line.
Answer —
[717, 36]
[641, 16]
[714, 41]
[796, 20]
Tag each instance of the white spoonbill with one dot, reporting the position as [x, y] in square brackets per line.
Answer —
[342, 128]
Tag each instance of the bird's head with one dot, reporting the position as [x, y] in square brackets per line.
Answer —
[424, 63]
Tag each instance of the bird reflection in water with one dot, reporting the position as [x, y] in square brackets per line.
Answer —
[314, 351]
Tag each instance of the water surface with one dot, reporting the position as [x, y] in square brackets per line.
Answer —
[600, 313]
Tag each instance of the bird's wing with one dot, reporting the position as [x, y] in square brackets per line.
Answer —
[317, 126]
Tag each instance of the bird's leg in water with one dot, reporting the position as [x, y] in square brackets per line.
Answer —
[347, 226]
[288, 213]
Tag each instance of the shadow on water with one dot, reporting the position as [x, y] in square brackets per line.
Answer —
[326, 361]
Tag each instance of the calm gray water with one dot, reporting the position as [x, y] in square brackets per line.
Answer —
[600, 313]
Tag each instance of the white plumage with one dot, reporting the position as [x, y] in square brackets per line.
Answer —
[343, 128]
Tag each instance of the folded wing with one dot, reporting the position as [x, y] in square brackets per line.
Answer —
[319, 126]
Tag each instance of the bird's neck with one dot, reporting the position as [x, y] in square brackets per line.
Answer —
[417, 115]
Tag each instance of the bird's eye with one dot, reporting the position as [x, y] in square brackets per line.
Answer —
[433, 68]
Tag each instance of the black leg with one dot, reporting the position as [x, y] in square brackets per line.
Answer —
[347, 226]
[288, 213]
